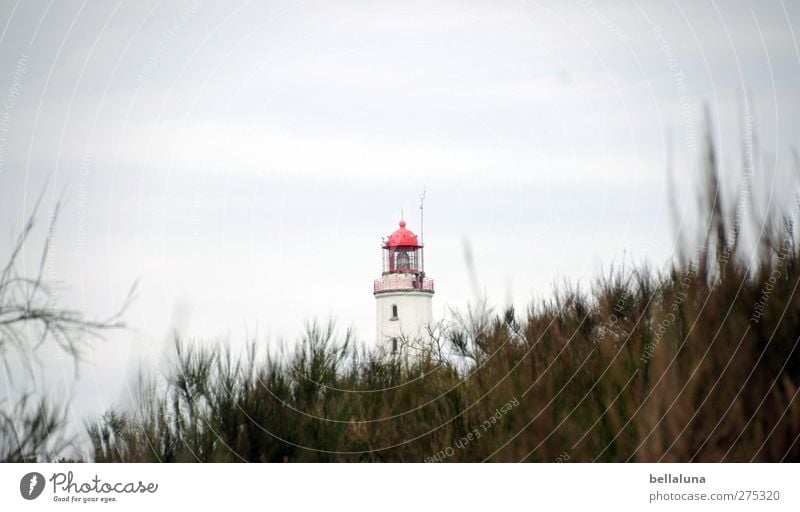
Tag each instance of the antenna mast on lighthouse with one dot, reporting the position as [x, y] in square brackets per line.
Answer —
[422, 231]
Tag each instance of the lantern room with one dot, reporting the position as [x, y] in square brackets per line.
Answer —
[402, 252]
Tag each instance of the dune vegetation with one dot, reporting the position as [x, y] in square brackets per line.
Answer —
[694, 362]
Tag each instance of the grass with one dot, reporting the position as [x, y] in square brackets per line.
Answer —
[697, 362]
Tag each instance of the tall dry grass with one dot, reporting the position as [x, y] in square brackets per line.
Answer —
[698, 362]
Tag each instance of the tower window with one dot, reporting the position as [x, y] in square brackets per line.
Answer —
[394, 312]
[403, 261]
[394, 345]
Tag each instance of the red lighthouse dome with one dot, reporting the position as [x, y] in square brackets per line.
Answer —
[402, 238]
[403, 263]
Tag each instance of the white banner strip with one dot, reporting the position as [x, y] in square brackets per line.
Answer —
[399, 487]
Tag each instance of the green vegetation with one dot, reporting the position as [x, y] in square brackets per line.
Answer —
[695, 363]
[698, 362]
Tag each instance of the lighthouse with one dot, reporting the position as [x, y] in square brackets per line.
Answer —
[403, 294]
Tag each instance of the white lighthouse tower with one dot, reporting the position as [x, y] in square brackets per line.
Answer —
[403, 294]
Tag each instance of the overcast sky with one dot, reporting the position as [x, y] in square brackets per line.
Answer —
[243, 159]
